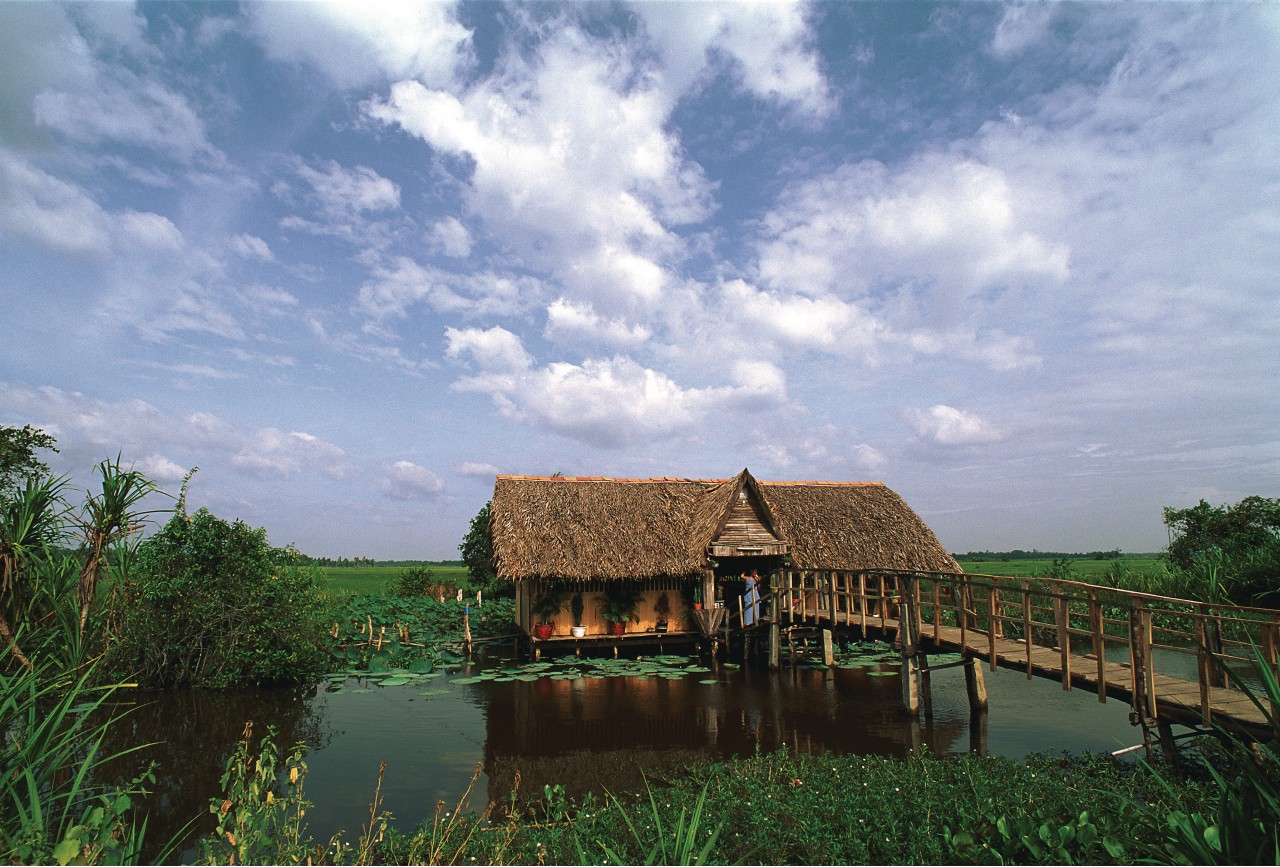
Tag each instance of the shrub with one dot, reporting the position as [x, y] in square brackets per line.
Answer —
[419, 581]
[210, 603]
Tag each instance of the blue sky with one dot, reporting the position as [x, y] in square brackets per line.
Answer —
[1018, 262]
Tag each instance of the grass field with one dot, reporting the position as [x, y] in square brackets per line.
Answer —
[1082, 570]
[373, 579]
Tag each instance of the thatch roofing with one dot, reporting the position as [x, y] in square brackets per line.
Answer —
[585, 528]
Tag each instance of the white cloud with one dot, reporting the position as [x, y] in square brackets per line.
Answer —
[344, 192]
[84, 425]
[479, 470]
[942, 220]
[63, 218]
[767, 47]
[355, 48]
[251, 247]
[948, 426]
[606, 402]
[571, 164]
[450, 237]
[160, 469]
[570, 322]
[405, 480]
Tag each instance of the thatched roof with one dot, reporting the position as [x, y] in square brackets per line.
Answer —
[584, 528]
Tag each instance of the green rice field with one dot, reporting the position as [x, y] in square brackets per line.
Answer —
[1088, 570]
[373, 579]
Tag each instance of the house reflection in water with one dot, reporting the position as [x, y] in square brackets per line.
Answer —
[592, 734]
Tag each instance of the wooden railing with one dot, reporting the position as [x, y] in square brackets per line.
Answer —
[1101, 637]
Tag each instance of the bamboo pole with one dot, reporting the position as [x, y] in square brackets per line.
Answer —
[993, 597]
[862, 602]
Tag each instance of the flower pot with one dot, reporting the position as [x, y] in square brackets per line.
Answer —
[661, 627]
[697, 606]
[617, 628]
[542, 631]
[577, 631]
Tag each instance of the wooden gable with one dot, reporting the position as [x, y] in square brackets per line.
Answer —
[747, 527]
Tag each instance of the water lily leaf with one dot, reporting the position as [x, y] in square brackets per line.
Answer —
[466, 680]
[432, 692]
[709, 680]
[881, 673]
[394, 681]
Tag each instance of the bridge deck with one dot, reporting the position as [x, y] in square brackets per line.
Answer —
[861, 604]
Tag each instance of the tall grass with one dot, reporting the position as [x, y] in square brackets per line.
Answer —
[51, 811]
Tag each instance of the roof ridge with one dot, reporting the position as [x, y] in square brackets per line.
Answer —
[660, 479]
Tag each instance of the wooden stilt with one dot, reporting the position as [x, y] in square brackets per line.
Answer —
[975, 685]
[926, 686]
[910, 686]
[775, 648]
[828, 649]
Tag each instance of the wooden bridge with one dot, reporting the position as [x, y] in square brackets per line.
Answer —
[1167, 658]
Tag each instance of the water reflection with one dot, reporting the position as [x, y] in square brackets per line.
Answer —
[590, 734]
[586, 734]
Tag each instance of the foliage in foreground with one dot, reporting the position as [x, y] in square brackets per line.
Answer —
[51, 811]
[776, 808]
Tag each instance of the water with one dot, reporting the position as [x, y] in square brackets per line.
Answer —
[584, 734]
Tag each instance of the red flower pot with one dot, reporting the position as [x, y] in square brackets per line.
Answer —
[617, 628]
[542, 631]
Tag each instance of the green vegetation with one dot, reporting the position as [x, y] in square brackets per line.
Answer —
[208, 602]
[376, 579]
[477, 554]
[1079, 567]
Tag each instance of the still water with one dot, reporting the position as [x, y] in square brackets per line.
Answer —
[587, 734]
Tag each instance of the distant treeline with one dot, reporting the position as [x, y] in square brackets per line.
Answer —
[1019, 554]
[340, 562]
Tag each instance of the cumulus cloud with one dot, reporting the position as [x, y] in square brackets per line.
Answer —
[405, 480]
[766, 47]
[572, 322]
[952, 222]
[947, 426]
[354, 48]
[570, 162]
[603, 401]
[87, 425]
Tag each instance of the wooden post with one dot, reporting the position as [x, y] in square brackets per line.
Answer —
[907, 634]
[466, 628]
[775, 648]
[993, 605]
[997, 624]
[926, 685]
[1204, 666]
[1137, 663]
[1062, 623]
[1099, 639]
[978, 733]
[1026, 622]
[910, 688]
[828, 649]
[862, 602]
[937, 608]
[1168, 746]
[975, 685]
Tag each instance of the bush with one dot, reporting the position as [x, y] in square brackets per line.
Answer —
[210, 603]
[419, 581]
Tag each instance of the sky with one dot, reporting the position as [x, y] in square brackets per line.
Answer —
[1018, 262]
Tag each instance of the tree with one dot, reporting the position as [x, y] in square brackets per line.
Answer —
[18, 461]
[1240, 544]
[209, 603]
[477, 555]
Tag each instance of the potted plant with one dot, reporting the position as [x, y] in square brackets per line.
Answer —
[547, 606]
[620, 601]
[576, 606]
[662, 608]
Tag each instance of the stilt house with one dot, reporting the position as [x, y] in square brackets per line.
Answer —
[673, 544]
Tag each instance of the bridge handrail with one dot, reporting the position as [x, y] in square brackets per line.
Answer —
[893, 596]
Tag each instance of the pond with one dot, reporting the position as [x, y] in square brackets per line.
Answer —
[588, 726]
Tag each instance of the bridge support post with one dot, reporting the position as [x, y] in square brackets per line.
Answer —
[828, 649]
[975, 685]
[910, 685]
[775, 646]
